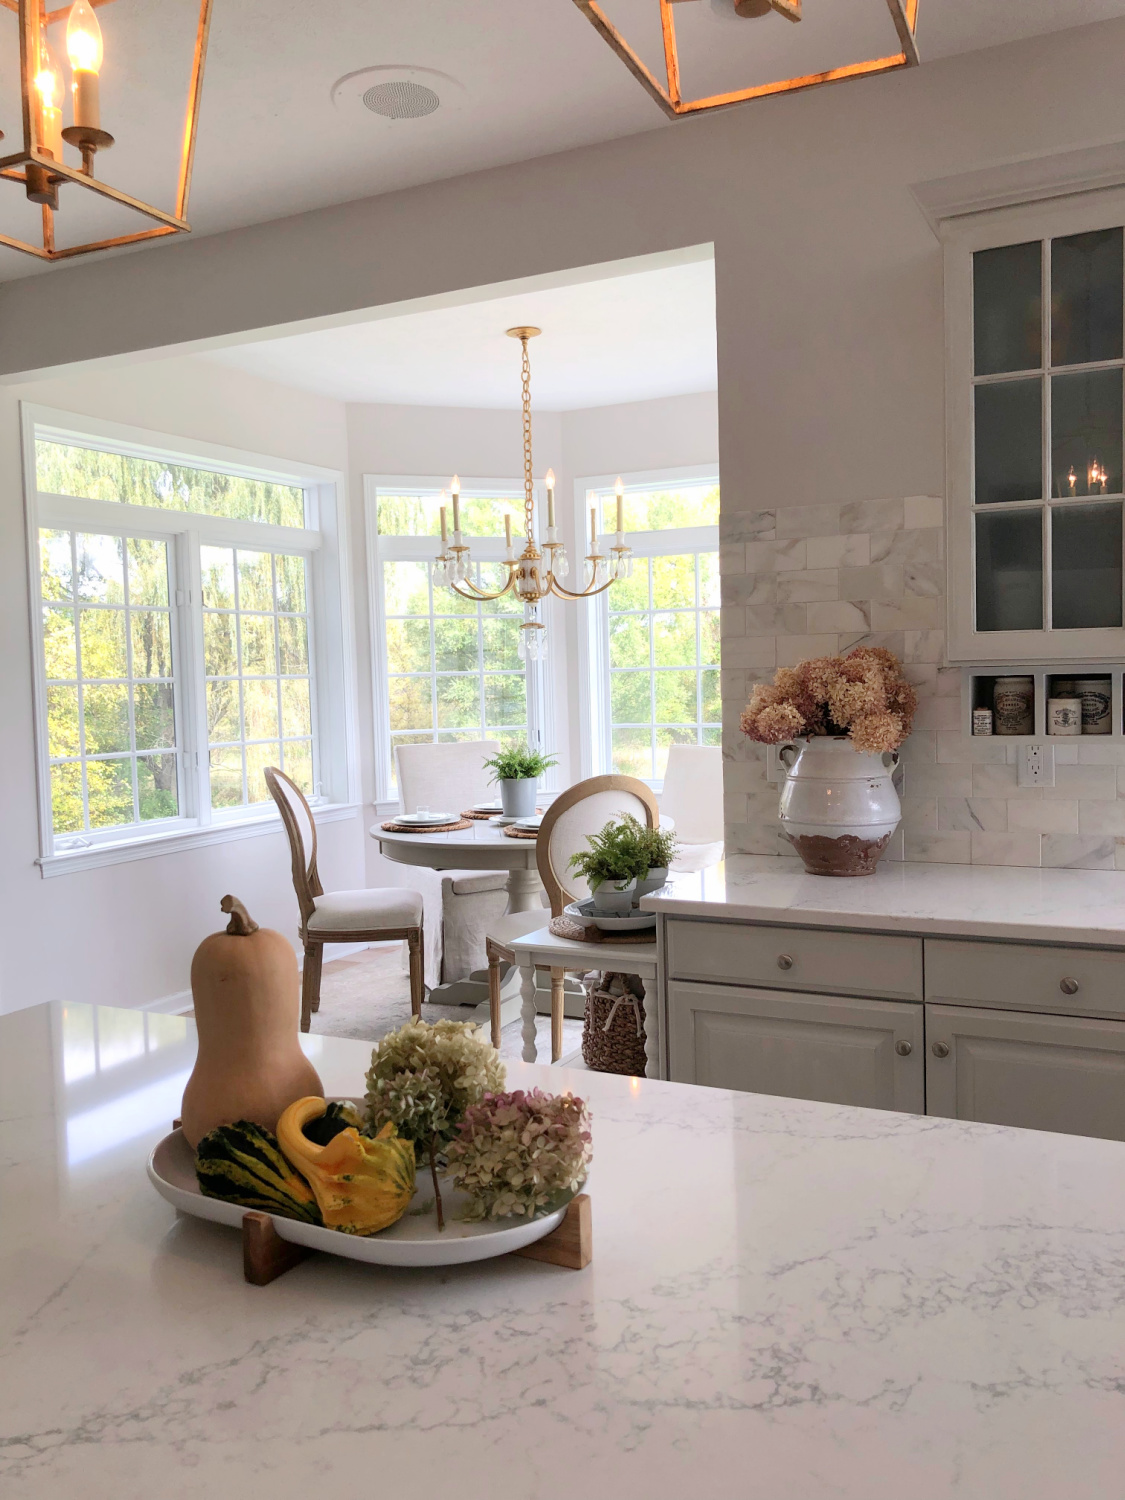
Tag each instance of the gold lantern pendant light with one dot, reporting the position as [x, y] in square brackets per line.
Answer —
[40, 166]
[537, 571]
[669, 95]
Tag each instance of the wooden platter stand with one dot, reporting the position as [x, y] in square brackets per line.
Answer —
[266, 1256]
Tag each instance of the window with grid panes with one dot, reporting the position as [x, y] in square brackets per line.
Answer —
[1047, 433]
[662, 628]
[453, 670]
[128, 651]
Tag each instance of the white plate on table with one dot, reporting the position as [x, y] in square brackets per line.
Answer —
[427, 820]
[414, 1240]
[530, 825]
[583, 911]
[491, 807]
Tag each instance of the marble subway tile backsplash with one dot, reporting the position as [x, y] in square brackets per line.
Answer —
[812, 580]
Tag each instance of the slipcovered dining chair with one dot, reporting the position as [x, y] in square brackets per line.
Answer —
[367, 916]
[693, 801]
[581, 810]
[460, 904]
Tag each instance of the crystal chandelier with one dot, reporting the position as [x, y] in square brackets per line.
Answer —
[40, 165]
[904, 14]
[537, 570]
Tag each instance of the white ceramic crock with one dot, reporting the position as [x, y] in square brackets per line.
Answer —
[614, 897]
[839, 806]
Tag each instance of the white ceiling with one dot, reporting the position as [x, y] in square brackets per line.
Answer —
[516, 80]
[626, 338]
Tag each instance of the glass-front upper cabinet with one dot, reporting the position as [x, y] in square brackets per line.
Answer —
[1035, 400]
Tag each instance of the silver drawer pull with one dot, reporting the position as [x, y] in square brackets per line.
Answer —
[784, 961]
[1068, 986]
[940, 1049]
[904, 1049]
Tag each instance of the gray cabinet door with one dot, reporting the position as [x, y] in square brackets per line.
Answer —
[1014, 1068]
[831, 1048]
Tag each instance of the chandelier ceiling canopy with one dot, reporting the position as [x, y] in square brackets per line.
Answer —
[669, 94]
[54, 117]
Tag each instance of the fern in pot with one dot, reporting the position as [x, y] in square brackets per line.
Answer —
[612, 866]
[517, 772]
[658, 845]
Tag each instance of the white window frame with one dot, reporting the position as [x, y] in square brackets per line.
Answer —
[381, 549]
[331, 639]
[962, 237]
[593, 634]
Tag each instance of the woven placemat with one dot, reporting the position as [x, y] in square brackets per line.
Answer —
[567, 927]
[486, 816]
[393, 827]
[512, 832]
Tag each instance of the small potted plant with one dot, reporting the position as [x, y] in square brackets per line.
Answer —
[518, 771]
[611, 866]
[658, 846]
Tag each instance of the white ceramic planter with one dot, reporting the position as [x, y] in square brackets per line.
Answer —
[518, 796]
[839, 806]
[614, 897]
[656, 877]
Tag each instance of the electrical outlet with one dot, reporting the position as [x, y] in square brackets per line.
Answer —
[1036, 765]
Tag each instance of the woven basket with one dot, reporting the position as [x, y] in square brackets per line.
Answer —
[621, 1049]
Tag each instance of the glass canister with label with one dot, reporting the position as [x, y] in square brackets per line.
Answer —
[1097, 699]
[1013, 700]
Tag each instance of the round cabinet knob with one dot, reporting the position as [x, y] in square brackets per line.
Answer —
[940, 1049]
[784, 961]
[904, 1049]
[1068, 986]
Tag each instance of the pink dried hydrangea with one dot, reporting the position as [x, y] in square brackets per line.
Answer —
[863, 695]
[521, 1153]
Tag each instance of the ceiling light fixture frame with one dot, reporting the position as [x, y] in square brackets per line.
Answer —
[669, 95]
[34, 158]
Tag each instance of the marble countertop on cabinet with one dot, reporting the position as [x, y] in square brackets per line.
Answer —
[786, 1300]
[984, 901]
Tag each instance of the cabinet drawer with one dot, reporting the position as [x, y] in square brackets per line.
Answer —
[1039, 1072]
[795, 958]
[1020, 976]
[867, 1053]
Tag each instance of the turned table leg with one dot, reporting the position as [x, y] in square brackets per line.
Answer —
[525, 891]
[527, 1010]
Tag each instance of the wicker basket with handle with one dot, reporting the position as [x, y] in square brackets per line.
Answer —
[613, 1036]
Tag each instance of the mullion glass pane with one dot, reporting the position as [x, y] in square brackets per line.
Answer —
[1086, 297]
[1007, 309]
[1086, 433]
[1009, 441]
[1009, 570]
[1086, 566]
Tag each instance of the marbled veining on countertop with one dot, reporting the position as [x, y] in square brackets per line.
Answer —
[1059, 906]
[786, 1300]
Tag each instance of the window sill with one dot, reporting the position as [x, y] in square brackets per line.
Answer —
[73, 860]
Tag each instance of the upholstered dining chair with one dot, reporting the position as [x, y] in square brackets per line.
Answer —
[368, 916]
[460, 904]
[574, 814]
[693, 800]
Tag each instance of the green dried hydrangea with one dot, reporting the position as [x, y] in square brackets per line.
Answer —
[423, 1078]
[521, 1154]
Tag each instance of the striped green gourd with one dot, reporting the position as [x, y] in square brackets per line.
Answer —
[243, 1164]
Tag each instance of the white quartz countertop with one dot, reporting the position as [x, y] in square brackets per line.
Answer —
[786, 1300]
[991, 901]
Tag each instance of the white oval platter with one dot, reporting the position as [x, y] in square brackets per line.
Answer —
[413, 1241]
[583, 911]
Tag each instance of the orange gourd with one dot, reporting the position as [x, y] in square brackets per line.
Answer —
[250, 1065]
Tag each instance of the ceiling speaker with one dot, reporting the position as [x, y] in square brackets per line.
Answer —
[401, 99]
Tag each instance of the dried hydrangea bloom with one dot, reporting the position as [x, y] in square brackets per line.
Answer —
[521, 1153]
[877, 732]
[862, 694]
[423, 1078]
[780, 723]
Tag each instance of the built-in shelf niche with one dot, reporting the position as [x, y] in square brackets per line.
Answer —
[977, 692]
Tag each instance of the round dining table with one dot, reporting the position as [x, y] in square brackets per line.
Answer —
[484, 846]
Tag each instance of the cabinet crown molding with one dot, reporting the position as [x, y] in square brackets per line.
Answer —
[1029, 180]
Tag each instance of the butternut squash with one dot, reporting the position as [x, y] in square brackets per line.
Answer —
[249, 1065]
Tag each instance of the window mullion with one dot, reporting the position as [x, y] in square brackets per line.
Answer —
[191, 679]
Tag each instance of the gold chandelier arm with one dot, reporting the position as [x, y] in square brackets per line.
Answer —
[586, 593]
[479, 596]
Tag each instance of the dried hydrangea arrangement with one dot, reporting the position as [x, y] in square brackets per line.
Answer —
[424, 1077]
[521, 1153]
[863, 695]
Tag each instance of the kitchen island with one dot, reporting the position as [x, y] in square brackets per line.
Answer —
[787, 1299]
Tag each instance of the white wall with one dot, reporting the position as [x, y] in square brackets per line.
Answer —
[124, 934]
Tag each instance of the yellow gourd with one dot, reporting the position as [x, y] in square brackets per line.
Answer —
[250, 1065]
[361, 1183]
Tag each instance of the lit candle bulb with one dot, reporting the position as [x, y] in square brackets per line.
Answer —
[49, 88]
[593, 529]
[84, 48]
[619, 491]
[1072, 479]
[455, 491]
[550, 481]
[508, 529]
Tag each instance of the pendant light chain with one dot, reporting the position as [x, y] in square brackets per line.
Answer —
[528, 472]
